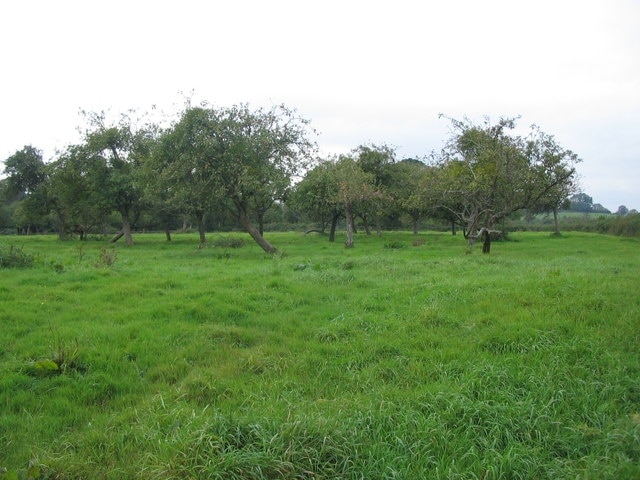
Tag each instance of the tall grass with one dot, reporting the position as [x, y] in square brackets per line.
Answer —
[323, 362]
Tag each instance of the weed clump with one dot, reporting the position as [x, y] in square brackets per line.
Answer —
[32, 472]
[106, 258]
[67, 356]
[229, 242]
[57, 267]
[395, 245]
[15, 257]
[64, 359]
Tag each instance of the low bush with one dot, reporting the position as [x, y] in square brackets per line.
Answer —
[15, 257]
[229, 242]
[106, 258]
[394, 245]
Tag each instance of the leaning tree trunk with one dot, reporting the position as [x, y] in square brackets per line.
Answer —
[255, 233]
[261, 223]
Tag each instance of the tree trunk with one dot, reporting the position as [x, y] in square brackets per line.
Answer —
[453, 227]
[555, 221]
[485, 235]
[167, 233]
[62, 231]
[201, 228]
[365, 224]
[126, 229]
[255, 234]
[261, 224]
[117, 236]
[349, 213]
[334, 225]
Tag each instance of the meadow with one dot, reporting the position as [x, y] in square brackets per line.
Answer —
[405, 357]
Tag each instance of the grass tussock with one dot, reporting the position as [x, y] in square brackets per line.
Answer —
[169, 361]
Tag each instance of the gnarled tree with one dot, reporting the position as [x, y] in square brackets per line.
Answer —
[485, 174]
[234, 158]
[118, 151]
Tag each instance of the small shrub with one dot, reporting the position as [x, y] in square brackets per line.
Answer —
[394, 245]
[15, 257]
[106, 258]
[277, 255]
[57, 266]
[418, 242]
[80, 252]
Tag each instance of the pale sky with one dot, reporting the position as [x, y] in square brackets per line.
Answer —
[361, 71]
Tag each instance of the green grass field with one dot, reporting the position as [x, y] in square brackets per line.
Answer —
[425, 361]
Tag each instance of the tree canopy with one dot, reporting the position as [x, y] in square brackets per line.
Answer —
[234, 157]
[485, 174]
[244, 164]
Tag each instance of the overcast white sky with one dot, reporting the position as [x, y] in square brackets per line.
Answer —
[361, 71]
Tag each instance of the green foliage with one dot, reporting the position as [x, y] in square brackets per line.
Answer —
[25, 170]
[367, 363]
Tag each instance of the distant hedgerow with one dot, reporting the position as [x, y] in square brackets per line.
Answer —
[626, 226]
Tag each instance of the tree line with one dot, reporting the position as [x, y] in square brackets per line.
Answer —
[241, 163]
